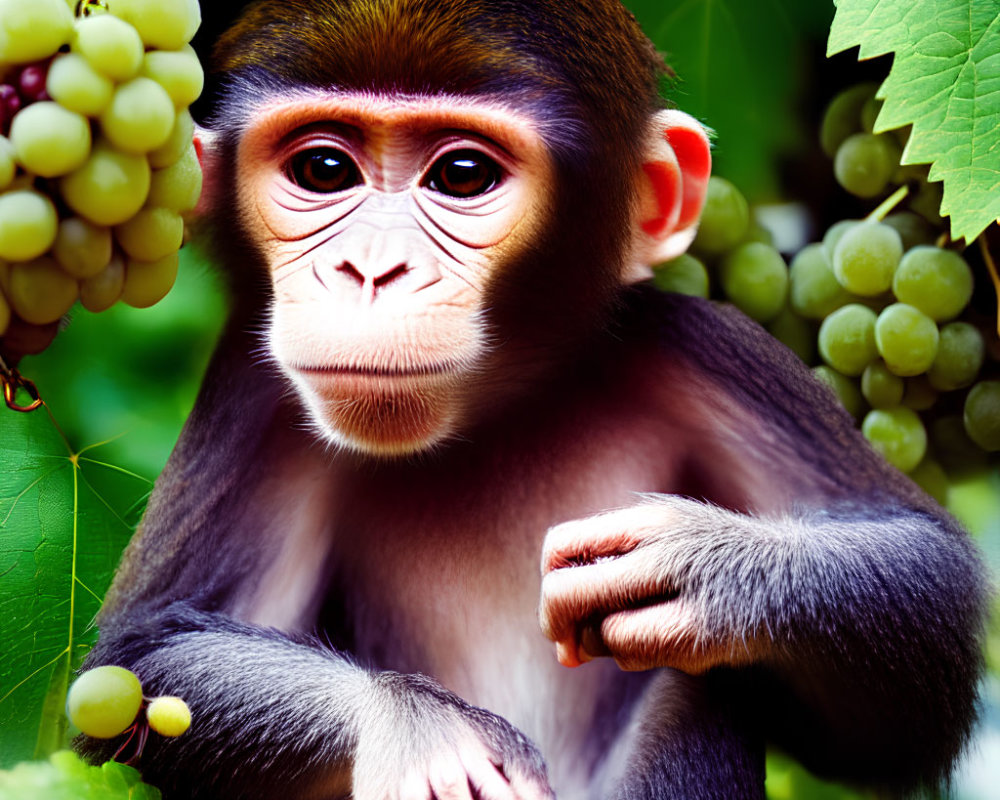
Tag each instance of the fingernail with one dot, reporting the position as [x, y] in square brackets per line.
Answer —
[566, 655]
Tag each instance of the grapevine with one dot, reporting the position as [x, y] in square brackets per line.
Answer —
[883, 308]
[97, 161]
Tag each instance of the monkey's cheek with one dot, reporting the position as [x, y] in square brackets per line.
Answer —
[385, 417]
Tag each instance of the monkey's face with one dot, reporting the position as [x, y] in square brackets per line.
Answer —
[383, 224]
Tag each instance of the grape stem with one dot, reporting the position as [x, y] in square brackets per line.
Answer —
[86, 7]
[887, 205]
[994, 275]
[10, 381]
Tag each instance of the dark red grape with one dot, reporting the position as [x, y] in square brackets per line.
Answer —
[10, 104]
[31, 82]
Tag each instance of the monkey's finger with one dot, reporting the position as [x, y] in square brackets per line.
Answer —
[662, 635]
[583, 541]
[414, 786]
[449, 779]
[573, 597]
[486, 780]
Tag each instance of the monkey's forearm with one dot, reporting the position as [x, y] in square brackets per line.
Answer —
[288, 713]
[875, 623]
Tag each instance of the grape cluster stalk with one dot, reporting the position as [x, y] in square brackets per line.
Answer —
[97, 160]
[883, 308]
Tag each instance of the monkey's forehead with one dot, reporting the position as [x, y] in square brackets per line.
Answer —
[503, 120]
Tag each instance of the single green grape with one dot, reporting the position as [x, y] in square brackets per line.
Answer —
[104, 701]
[140, 116]
[110, 45]
[869, 113]
[82, 248]
[76, 85]
[179, 72]
[936, 281]
[847, 339]
[864, 164]
[919, 394]
[795, 332]
[833, 234]
[842, 116]
[101, 291]
[40, 291]
[906, 338]
[28, 224]
[813, 290]
[952, 445]
[880, 387]
[898, 434]
[167, 26]
[725, 218]
[844, 388]
[982, 415]
[866, 257]
[147, 282]
[50, 140]
[682, 275]
[109, 188]
[168, 716]
[33, 30]
[912, 228]
[755, 278]
[153, 233]
[179, 187]
[960, 354]
[930, 476]
[177, 144]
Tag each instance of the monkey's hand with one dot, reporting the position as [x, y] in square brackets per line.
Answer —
[421, 742]
[668, 582]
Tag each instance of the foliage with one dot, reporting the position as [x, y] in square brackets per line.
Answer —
[64, 518]
[65, 777]
[945, 82]
[740, 68]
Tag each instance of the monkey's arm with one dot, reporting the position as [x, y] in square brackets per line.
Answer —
[848, 621]
[859, 636]
[300, 718]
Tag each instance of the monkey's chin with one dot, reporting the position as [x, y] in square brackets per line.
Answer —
[383, 417]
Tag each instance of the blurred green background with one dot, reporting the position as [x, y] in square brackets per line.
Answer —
[754, 72]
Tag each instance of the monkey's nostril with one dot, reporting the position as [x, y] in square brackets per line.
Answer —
[347, 268]
[388, 277]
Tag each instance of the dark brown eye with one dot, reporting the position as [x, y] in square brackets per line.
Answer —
[324, 170]
[464, 173]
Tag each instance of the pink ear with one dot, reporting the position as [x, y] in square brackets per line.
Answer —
[677, 166]
[691, 146]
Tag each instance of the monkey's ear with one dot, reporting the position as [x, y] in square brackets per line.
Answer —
[675, 169]
[204, 141]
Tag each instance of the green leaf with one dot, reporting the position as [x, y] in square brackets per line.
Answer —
[739, 68]
[945, 81]
[65, 777]
[64, 519]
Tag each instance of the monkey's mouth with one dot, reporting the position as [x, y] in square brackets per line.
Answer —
[353, 371]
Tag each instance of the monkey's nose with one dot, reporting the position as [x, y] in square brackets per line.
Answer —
[372, 280]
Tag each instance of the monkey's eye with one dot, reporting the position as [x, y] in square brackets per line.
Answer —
[464, 173]
[324, 170]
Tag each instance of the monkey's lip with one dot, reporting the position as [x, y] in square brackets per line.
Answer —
[351, 371]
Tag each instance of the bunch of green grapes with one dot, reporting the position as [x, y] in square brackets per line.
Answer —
[97, 161]
[106, 701]
[881, 310]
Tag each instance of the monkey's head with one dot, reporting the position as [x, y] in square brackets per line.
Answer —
[436, 199]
